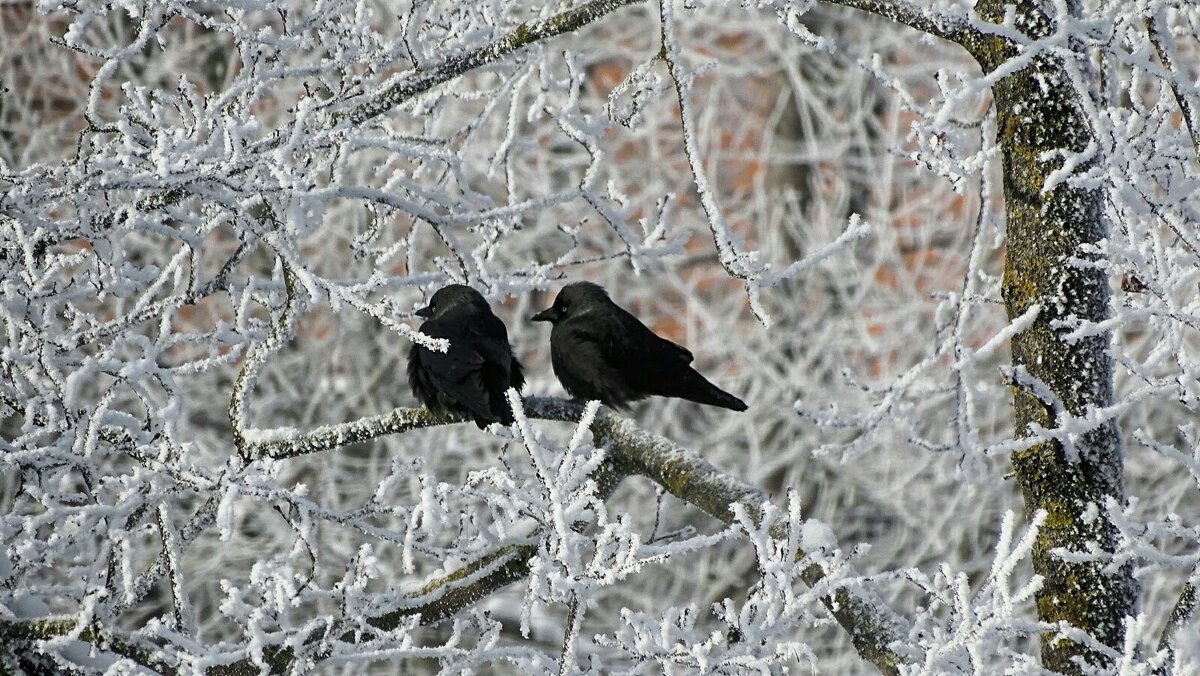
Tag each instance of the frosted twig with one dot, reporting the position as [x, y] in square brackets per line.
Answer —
[255, 358]
[937, 22]
[1182, 615]
[740, 264]
[411, 84]
[1164, 46]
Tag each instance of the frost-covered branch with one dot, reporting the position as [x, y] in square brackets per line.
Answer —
[1183, 615]
[524, 35]
[252, 365]
[1164, 46]
[683, 473]
[742, 264]
[22, 635]
[937, 22]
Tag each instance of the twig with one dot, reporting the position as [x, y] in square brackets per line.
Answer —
[1164, 46]
[255, 358]
[1182, 614]
[735, 261]
[417, 82]
[923, 19]
[566, 659]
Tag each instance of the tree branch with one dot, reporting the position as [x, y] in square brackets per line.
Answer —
[17, 632]
[1182, 614]
[938, 24]
[633, 451]
[1164, 46]
[284, 328]
[419, 81]
[685, 474]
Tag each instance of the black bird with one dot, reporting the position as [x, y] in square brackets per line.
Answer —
[600, 351]
[471, 377]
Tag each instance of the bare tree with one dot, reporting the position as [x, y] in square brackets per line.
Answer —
[217, 221]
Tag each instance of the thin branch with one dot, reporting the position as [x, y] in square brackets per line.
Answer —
[18, 633]
[255, 358]
[736, 262]
[633, 451]
[1164, 46]
[181, 608]
[158, 309]
[330, 437]
[1183, 614]
[161, 565]
[938, 24]
[566, 660]
[419, 81]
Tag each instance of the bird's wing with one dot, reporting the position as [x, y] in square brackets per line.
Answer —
[588, 362]
[501, 370]
[655, 346]
[516, 374]
[458, 372]
[460, 359]
[489, 338]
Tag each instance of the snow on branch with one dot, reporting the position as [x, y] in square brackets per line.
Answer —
[524, 35]
[628, 451]
[937, 22]
[216, 222]
[1186, 95]
[741, 264]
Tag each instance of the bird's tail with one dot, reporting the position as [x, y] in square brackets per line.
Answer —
[695, 387]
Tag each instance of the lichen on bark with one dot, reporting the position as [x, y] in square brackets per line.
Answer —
[1046, 229]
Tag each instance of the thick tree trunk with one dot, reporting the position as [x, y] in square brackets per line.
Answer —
[1038, 113]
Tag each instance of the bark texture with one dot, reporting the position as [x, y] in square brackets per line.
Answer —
[1054, 377]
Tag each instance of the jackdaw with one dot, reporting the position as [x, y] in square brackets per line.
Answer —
[600, 351]
[471, 377]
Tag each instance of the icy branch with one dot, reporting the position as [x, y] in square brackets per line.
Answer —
[1182, 615]
[741, 264]
[633, 451]
[938, 23]
[1164, 46]
[284, 327]
[424, 79]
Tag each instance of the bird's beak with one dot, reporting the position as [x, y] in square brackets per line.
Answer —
[426, 312]
[547, 315]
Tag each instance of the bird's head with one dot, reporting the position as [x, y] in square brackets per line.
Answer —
[573, 299]
[449, 297]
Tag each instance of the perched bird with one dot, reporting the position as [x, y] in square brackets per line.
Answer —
[471, 377]
[600, 351]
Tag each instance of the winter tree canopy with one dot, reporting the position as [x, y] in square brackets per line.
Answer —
[947, 251]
